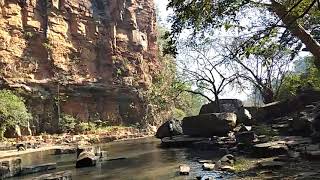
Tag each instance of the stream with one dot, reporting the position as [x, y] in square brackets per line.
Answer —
[144, 159]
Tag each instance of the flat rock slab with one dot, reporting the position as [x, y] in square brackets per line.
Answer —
[313, 155]
[38, 168]
[180, 141]
[271, 165]
[270, 149]
[63, 175]
[184, 169]
[60, 151]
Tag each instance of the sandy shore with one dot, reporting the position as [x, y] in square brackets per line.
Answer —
[68, 141]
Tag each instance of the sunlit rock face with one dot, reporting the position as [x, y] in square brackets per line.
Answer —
[98, 55]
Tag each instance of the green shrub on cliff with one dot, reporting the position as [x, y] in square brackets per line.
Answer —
[13, 111]
[67, 123]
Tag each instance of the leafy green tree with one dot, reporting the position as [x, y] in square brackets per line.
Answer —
[287, 22]
[13, 111]
[297, 79]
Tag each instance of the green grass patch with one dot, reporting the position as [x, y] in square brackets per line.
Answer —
[242, 164]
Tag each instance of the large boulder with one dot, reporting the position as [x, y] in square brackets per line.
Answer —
[287, 107]
[231, 106]
[86, 159]
[163, 130]
[208, 125]
[226, 105]
[10, 167]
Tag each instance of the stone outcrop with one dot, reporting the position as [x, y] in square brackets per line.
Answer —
[90, 59]
[230, 106]
[207, 125]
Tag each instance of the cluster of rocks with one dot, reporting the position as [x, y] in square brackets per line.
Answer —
[211, 121]
[87, 156]
[286, 135]
[226, 163]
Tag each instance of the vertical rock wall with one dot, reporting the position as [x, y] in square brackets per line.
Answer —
[92, 59]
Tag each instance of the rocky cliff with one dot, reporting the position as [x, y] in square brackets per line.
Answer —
[92, 59]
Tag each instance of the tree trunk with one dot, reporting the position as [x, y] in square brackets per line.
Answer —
[2, 131]
[217, 101]
[297, 30]
[267, 95]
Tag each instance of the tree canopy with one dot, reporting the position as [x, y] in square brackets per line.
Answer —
[290, 23]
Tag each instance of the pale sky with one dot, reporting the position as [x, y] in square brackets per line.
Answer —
[163, 15]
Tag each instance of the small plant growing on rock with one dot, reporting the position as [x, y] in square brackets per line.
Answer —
[47, 46]
[28, 35]
[13, 111]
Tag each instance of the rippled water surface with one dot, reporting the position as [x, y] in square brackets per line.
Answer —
[144, 159]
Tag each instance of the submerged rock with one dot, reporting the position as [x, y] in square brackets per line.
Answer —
[184, 169]
[63, 175]
[60, 151]
[38, 168]
[181, 141]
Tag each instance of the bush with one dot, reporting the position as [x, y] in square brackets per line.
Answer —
[13, 111]
[178, 114]
[84, 127]
[67, 123]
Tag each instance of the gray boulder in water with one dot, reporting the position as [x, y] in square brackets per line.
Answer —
[164, 130]
[86, 159]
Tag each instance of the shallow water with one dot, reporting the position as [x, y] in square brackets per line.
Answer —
[144, 159]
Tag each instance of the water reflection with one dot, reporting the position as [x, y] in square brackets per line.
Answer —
[143, 160]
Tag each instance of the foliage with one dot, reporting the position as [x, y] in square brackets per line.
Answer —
[84, 127]
[167, 94]
[275, 22]
[178, 113]
[67, 123]
[13, 111]
[301, 77]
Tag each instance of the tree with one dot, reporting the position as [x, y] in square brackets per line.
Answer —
[201, 66]
[265, 68]
[286, 21]
[12, 111]
[166, 96]
[305, 74]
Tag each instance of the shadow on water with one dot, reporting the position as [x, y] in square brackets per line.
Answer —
[143, 159]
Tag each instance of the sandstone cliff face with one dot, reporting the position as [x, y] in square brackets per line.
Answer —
[91, 59]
